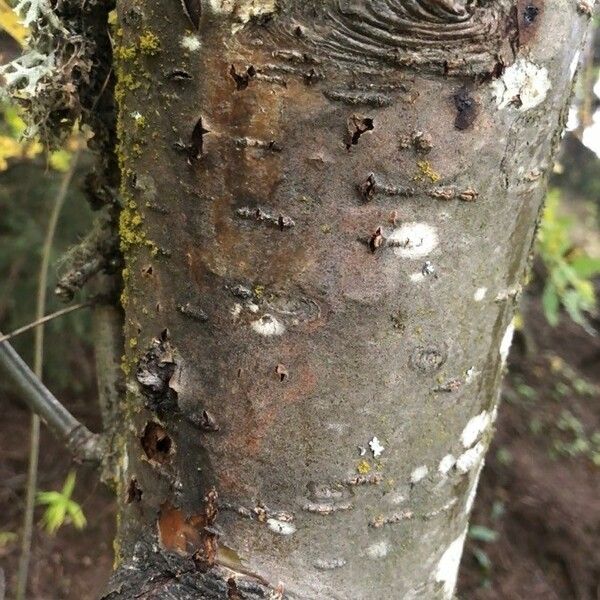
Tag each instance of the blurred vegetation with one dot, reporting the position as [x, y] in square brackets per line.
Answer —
[569, 269]
[29, 181]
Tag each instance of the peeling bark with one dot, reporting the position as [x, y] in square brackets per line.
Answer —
[329, 209]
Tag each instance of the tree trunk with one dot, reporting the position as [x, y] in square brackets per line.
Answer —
[328, 211]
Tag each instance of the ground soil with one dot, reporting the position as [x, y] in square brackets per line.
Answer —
[542, 506]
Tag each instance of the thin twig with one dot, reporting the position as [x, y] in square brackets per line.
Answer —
[38, 368]
[43, 320]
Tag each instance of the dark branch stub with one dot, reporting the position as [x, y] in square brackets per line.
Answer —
[193, 11]
[196, 147]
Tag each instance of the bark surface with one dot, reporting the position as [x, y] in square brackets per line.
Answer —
[329, 208]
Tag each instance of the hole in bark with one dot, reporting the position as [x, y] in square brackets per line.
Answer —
[148, 271]
[357, 126]
[156, 443]
[530, 13]
[242, 80]
[466, 108]
[134, 492]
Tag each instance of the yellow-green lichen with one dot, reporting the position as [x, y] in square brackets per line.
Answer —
[125, 365]
[363, 467]
[125, 52]
[149, 44]
[131, 231]
[140, 121]
[426, 170]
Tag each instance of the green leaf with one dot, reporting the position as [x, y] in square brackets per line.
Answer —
[586, 266]
[7, 537]
[482, 534]
[551, 304]
[482, 558]
[61, 508]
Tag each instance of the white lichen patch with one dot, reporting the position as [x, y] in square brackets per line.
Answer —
[511, 293]
[523, 85]
[419, 474]
[468, 460]
[470, 375]
[376, 447]
[243, 11]
[379, 549]
[190, 43]
[474, 428]
[417, 277]
[281, 527]
[446, 464]
[396, 498]
[35, 11]
[236, 311]
[413, 240]
[480, 294]
[506, 342]
[446, 571]
[268, 326]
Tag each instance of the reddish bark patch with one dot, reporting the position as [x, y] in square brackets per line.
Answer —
[191, 536]
[176, 532]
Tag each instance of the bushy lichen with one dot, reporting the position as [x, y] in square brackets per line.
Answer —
[65, 66]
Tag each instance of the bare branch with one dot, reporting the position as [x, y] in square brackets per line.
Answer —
[43, 320]
[85, 445]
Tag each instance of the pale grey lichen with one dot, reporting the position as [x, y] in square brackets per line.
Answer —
[24, 75]
[62, 67]
[35, 11]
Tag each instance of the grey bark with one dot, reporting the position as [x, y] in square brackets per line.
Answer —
[329, 208]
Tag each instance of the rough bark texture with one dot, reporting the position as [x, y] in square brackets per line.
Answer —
[329, 207]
